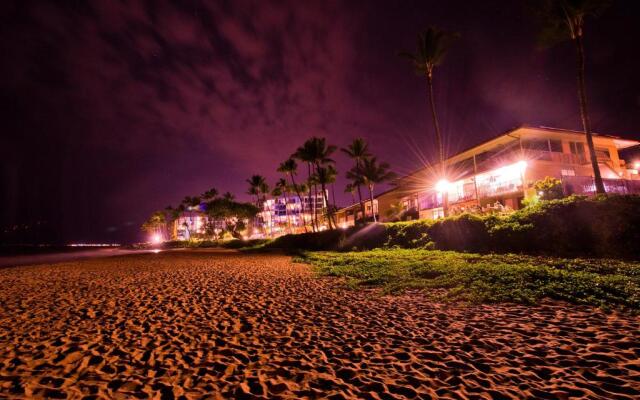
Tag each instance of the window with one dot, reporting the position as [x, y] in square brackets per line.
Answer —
[602, 153]
[535, 144]
[555, 145]
[568, 172]
[577, 148]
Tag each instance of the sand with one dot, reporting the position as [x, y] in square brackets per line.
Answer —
[224, 325]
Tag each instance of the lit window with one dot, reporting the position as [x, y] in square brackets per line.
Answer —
[568, 172]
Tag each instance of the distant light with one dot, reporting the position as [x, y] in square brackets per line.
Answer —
[157, 239]
[93, 245]
[636, 165]
[443, 185]
[156, 251]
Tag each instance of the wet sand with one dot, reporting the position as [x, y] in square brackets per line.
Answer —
[218, 324]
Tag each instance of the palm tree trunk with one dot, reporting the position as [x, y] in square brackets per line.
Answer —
[328, 212]
[364, 216]
[373, 212]
[297, 189]
[436, 125]
[312, 204]
[586, 124]
[286, 210]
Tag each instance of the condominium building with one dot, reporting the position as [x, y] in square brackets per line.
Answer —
[502, 171]
[280, 215]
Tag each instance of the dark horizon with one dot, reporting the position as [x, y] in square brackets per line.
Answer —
[114, 111]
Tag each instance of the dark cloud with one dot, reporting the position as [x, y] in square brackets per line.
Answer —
[114, 109]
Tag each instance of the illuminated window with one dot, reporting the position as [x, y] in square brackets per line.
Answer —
[568, 172]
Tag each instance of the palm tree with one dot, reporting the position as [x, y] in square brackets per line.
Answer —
[325, 176]
[305, 153]
[228, 196]
[315, 152]
[372, 174]
[351, 188]
[433, 45]
[210, 194]
[564, 20]
[289, 168]
[282, 189]
[257, 184]
[254, 187]
[358, 150]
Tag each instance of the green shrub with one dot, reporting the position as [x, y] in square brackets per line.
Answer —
[574, 226]
[488, 278]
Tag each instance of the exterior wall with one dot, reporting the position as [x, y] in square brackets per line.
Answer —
[384, 204]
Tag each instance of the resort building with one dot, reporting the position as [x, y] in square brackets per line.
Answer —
[346, 217]
[188, 224]
[279, 216]
[499, 174]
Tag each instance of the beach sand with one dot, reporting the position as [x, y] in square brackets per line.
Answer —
[219, 324]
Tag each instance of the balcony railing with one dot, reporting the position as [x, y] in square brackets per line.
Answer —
[558, 157]
[586, 185]
[507, 187]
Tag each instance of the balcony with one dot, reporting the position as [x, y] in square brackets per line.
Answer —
[586, 185]
[554, 156]
[500, 188]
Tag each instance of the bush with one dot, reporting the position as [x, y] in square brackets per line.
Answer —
[574, 226]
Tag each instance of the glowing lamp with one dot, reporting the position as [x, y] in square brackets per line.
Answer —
[521, 165]
[156, 239]
[636, 165]
[443, 185]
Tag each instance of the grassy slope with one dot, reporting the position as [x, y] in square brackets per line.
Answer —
[489, 278]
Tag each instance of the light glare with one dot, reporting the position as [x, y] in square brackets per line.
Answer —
[443, 185]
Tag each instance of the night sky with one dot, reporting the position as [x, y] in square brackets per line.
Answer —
[113, 110]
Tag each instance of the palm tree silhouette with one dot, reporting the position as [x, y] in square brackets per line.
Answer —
[564, 20]
[315, 152]
[326, 176]
[432, 47]
[358, 150]
[371, 174]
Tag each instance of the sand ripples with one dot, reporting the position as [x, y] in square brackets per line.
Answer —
[224, 325]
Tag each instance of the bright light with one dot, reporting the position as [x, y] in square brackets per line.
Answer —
[443, 185]
[156, 239]
[156, 251]
[521, 165]
[636, 165]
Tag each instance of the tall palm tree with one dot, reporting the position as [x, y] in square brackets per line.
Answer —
[282, 189]
[289, 168]
[257, 184]
[316, 153]
[325, 176]
[305, 154]
[433, 45]
[351, 188]
[358, 150]
[564, 20]
[372, 174]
